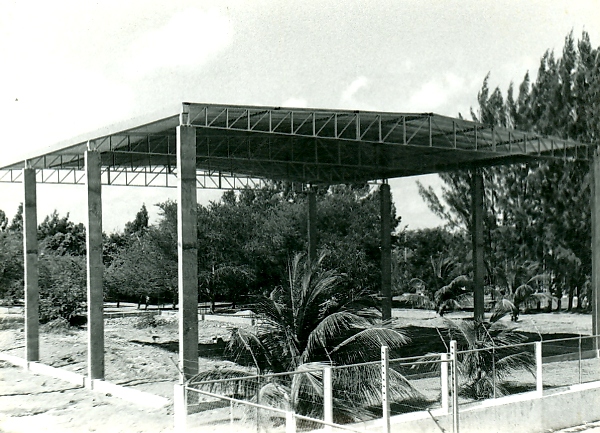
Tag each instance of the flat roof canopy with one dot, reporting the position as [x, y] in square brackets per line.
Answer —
[239, 145]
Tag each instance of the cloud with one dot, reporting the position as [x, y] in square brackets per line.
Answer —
[348, 95]
[295, 102]
[436, 93]
[190, 38]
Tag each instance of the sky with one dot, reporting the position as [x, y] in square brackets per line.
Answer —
[69, 67]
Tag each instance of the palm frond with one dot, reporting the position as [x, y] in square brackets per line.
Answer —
[330, 328]
[243, 344]
[230, 381]
[366, 344]
[503, 307]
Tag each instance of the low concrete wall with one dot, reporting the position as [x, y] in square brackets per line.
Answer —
[58, 373]
[129, 394]
[523, 413]
[141, 398]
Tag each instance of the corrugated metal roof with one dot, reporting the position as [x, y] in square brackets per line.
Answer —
[297, 144]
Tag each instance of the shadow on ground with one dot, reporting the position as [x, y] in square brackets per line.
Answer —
[214, 351]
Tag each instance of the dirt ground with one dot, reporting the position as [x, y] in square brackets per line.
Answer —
[145, 358]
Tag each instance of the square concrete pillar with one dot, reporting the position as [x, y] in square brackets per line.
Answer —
[595, 220]
[187, 251]
[312, 225]
[30, 264]
[477, 209]
[95, 267]
[386, 251]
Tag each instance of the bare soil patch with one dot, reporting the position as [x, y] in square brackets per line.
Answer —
[142, 354]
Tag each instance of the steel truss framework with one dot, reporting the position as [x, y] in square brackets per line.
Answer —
[241, 146]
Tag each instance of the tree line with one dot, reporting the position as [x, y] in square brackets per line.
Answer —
[537, 215]
[245, 242]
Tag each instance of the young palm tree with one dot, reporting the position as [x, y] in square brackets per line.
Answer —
[524, 295]
[449, 297]
[484, 371]
[306, 325]
[417, 296]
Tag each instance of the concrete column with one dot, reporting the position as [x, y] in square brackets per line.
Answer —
[312, 225]
[477, 239]
[187, 251]
[95, 267]
[595, 220]
[386, 251]
[30, 264]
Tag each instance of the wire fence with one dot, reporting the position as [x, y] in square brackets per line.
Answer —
[569, 361]
[363, 397]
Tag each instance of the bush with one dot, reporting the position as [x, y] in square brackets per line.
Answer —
[59, 325]
[149, 321]
[62, 287]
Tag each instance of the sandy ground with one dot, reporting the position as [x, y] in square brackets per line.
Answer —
[145, 359]
[32, 403]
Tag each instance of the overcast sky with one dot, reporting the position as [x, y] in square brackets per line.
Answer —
[70, 67]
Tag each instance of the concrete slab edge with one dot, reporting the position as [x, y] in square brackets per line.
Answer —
[101, 386]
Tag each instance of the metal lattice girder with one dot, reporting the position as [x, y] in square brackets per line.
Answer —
[138, 177]
[293, 144]
[426, 129]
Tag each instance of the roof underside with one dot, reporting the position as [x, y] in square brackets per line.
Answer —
[299, 145]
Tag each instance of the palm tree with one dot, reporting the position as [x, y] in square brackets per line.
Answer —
[449, 296]
[304, 326]
[484, 371]
[524, 295]
[417, 296]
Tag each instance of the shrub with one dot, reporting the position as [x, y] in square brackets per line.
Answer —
[62, 287]
[149, 321]
[59, 325]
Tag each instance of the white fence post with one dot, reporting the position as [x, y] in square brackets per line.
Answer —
[454, 360]
[539, 383]
[385, 402]
[327, 398]
[444, 380]
[290, 422]
[180, 408]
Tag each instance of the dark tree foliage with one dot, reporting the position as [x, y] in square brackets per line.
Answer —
[139, 224]
[11, 266]
[433, 256]
[61, 236]
[16, 224]
[536, 213]
[62, 285]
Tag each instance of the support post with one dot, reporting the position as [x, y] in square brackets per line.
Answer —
[95, 267]
[290, 422]
[454, 360]
[386, 252]
[327, 398]
[30, 255]
[180, 408]
[385, 402]
[595, 220]
[444, 380]
[312, 225]
[539, 381]
[477, 210]
[187, 251]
